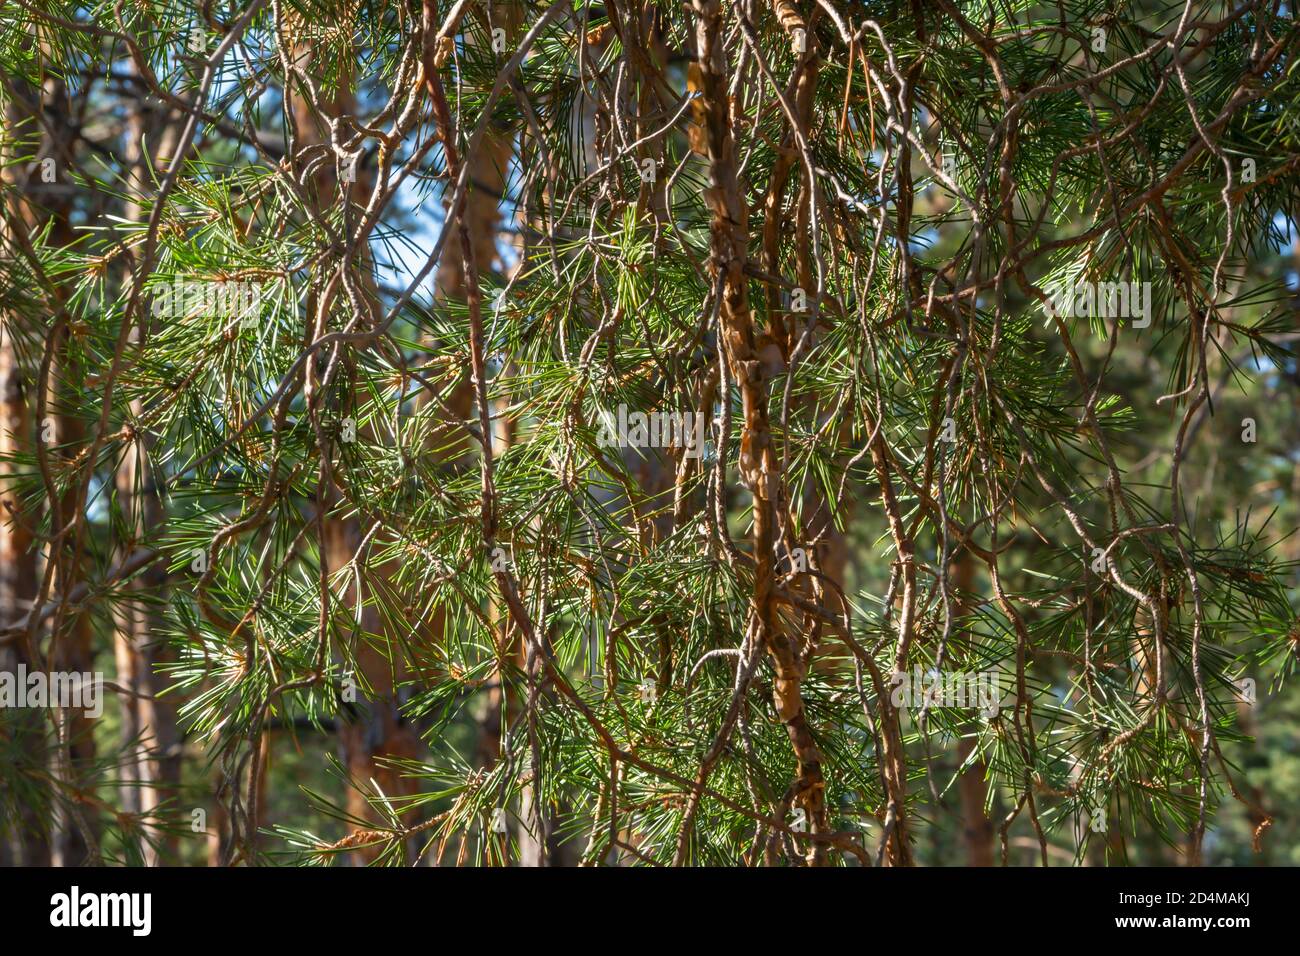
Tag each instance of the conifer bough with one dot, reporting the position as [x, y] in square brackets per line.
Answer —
[970, 329]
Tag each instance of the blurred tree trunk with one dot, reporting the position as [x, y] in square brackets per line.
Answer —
[151, 768]
[70, 647]
[376, 730]
[977, 828]
[26, 845]
[486, 192]
[42, 117]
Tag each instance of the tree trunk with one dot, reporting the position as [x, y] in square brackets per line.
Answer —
[151, 768]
